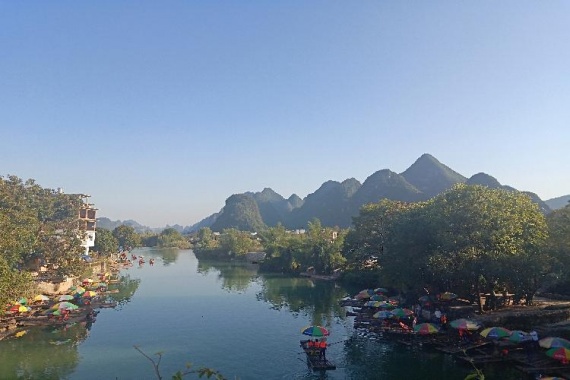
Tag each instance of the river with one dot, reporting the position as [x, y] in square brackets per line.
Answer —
[221, 315]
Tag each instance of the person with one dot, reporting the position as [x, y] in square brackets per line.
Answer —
[443, 321]
[437, 315]
[414, 322]
[323, 349]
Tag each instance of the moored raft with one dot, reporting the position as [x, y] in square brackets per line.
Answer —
[314, 360]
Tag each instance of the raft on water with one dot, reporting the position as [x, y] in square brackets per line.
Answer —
[314, 359]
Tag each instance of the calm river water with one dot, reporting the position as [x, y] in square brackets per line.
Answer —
[224, 316]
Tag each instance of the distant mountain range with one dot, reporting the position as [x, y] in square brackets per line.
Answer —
[335, 203]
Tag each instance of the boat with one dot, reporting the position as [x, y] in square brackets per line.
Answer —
[315, 362]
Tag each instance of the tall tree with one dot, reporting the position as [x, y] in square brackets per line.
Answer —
[126, 236]
[105, 242]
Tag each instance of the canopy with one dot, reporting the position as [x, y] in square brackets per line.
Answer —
[426, 328]
[315, 330]
[554, 342]
[495, 332]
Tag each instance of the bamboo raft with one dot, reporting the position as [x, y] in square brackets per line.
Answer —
[315, 362]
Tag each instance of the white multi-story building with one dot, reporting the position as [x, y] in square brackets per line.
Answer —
[86, 223]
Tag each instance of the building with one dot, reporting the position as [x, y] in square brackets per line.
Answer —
[87, 223]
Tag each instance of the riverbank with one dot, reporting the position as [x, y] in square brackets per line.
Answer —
[45, 309]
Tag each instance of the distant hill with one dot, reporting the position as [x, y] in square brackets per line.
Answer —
[557, 203]
[109, 224]
[335, 203]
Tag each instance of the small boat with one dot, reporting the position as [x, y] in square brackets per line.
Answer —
[314, 359]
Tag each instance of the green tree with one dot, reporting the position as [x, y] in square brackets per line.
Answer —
[105, 242]
[238, 242]
[170, 238]
[126, 236]
[206, 240]
[13, 284]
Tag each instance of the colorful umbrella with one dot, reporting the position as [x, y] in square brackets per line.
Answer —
[363, 294]
[402, 312]
[78, 290]
[22, 301]
[380, 290]
[559, 353]
[374, 303]
[65, 306]
[447, 296]
[65, 297]
[518, 336]
[89, 294]
[464, 324]
[378, 297]
[383, 314]
[554, 342]
[41, 298]
[314, 331]
[495, 332]
[426, 328]
[24, 309]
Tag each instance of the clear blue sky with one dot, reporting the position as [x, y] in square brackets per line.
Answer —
[160, 110]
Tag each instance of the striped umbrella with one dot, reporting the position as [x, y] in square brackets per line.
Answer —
[383, 314]
[315, 331]
[559, 353]
[495, 333]
[554, 342]
[402, 312]
[426, 328]
[464, 324]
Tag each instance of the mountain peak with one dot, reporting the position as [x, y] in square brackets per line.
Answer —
[430, 176]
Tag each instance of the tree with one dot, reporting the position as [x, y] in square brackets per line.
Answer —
[170, 237]
[323, 248]
[237, 242]
[13, 284]
[105, 242]
[126, 236]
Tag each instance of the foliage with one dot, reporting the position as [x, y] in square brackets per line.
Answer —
[238, 242]
[40, 224]
[240, 212]
[559, 242]
[126, 236]
[319, 248]
[105, 242]
[468, 239]
[170, 238]
[13, 284]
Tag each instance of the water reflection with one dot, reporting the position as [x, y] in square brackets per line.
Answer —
[43, 353]
[123, 291]
[168, 255]
[234, 276]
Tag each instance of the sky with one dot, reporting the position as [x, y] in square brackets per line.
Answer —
[160, 110]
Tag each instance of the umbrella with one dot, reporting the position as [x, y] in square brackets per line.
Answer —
[366, 293]
[559, 353]
[65, 297]
[89, 294]
[464, 324]
[424, 299]
[380, 290]
[426, 328]
[22, 301]
[495, 332]
[518, 336]
[374, 303]
[65, 306]
[383, 314]
[378, 297]
[447, 296]
[41, 298]
[23, 309]
[314, 330]
[78, 289]
[402, 312]
[554, 342]
[87, 280]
